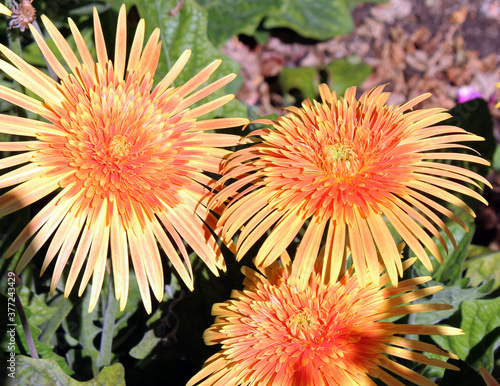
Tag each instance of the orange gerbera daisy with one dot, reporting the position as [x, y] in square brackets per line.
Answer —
[341, 168]
[127, 161]
[273, 333]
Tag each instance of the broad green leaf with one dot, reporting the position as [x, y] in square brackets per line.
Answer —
[40, 310]
[16, 331]
[145, 346]
[347, 72]
[188, 30]
[316, 19]
[484, 267]
[452, 295]
[301, 79]
[481, 325]
[227, 18]
[46, 372]
[64, 307]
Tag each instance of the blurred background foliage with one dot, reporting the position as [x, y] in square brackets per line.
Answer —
[166, 347]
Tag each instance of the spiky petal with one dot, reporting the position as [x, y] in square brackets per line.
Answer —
[127, 163]
[273, 333]
[344, 168]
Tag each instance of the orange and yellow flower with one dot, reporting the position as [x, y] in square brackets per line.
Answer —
[126, 163]
[344, 168]
[273, 333]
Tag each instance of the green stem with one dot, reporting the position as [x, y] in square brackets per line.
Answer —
[108, 327]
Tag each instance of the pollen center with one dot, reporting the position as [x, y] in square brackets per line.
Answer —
[337, 159]
[119, 147]
[120, 142]
[304, 326]
[338, 152]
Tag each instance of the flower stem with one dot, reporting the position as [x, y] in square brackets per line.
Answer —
[108, 327]
[24, 321]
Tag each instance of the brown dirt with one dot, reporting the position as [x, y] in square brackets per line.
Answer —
[416, 46]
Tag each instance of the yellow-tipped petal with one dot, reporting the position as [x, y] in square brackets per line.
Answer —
[121, 43]
[4, 10]
[133, 164]
[358, 162]
[327, 333]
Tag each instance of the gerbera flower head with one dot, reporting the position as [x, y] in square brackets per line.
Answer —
[274, 333]
[127, 162]
[341, 168]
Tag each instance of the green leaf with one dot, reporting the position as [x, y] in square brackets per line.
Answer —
[88, 330]
[41, 372]
[316, 19]
[341, 74]
[450, 271]
[302, 79]
[188, 30]
[145, 346]
[484, 267]
[347, 72]
[481, 325]
[49, 328]
[21, 344]
[41, 312]
[452, 295]
[227, 18]
[83, 327]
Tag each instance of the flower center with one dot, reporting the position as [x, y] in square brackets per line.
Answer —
[338, 152]
[305, 326]
[119, 148]
[337, 159]
[119, 142]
